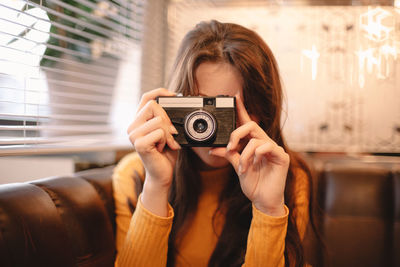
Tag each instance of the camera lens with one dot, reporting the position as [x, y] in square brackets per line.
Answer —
[200, 125]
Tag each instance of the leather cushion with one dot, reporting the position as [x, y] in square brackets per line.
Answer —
[358, 206]
[100, 179]
[85, 218]
[31, 231]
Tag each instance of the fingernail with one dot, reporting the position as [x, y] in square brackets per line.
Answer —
[177, 144]
[173, 129]
[210, 152]
[240, 169]
[228, 147]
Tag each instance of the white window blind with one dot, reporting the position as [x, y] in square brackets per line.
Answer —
[59, 65]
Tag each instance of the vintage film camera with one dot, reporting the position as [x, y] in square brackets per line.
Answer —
[201, 121]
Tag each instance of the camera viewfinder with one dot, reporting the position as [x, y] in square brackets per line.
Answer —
[209, 101]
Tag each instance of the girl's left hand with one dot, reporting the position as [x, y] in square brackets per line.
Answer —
[262, 165]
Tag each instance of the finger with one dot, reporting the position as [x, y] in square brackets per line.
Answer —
[246, 158]
[243, 115]
[218, 151]
[173, 144]
[147, 143]
[233, 157]
[134, 137]
[250, 129]
[145, 128]
[149, 111]
[153, 94]
[274, 153]
[152, 109]
[150, 126]
[161, 144]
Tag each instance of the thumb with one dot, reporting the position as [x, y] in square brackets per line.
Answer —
[232, 156]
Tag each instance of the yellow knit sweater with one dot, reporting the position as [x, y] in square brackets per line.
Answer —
[142, 239]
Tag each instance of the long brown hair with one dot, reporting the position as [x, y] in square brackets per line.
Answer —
[248, 53]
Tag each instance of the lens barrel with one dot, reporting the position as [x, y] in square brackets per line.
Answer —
[200, 126]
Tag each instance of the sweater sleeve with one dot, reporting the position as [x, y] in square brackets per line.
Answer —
[266, 239]
[146, 243]
[126, 190]
[141, 237]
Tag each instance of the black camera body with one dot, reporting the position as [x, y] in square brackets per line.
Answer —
[201, 121]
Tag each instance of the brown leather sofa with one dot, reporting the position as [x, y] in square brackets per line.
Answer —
[61, 221]
[360, 199]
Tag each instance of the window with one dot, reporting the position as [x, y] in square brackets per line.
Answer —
[68, 73]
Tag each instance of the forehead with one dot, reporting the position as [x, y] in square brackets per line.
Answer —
[218, 79]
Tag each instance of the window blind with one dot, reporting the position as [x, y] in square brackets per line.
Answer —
[59, 65]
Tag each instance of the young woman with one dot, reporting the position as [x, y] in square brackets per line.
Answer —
[246, 204]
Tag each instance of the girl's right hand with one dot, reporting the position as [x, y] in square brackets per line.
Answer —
[151, 134]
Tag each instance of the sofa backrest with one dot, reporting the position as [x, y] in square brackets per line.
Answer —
[361, 211]
[59, 221]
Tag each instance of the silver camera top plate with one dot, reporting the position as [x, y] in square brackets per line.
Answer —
[195, 101]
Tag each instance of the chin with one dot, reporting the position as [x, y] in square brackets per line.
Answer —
[210, 160]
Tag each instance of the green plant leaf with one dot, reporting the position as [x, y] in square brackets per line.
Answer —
[56, 30]
[22, 34]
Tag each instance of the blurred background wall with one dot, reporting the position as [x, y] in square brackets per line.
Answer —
[339, 64]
